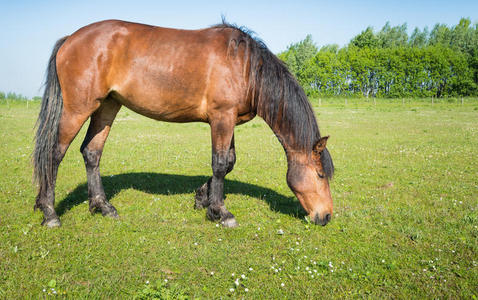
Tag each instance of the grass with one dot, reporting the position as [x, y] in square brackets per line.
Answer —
[405, 223]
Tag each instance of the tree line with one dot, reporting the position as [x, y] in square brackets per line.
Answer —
[12, 96]
[390, 63]
[16, 97]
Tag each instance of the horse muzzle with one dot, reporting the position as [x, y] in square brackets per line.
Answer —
[322, 221]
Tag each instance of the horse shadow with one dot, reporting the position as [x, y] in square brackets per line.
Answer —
[167, 184]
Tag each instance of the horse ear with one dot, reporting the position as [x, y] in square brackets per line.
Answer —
[320, 145]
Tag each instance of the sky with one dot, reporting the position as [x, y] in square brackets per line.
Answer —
[29, 29]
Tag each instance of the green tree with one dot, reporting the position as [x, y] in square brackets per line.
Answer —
[334, 48]
[297, 55]
[396, 36]
[419, 38]
[366, 38]
[440, 35]
[324, 74]
[389, 63]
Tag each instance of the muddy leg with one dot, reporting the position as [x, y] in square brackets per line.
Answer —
[46, 195]
[92, 149]
[222, 130]
[69, 126]
[202, 193]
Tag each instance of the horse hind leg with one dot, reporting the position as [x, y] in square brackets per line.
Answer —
[92, 148]
[69, 125]
[45, 200]
[202, 193]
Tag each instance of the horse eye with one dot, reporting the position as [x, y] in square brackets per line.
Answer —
[321, 175]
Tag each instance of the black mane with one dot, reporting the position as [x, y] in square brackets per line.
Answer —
[279, 98]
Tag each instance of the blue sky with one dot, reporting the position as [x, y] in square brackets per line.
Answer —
[28, 29]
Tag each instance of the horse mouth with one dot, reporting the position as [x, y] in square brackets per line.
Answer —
[322, 221]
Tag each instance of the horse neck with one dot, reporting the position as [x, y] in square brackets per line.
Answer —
[294, 154]
[282, 103]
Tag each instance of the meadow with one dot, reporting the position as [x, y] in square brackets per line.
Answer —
[405, 221]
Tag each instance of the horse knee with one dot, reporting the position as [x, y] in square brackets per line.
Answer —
[220, 165]
[92, 158]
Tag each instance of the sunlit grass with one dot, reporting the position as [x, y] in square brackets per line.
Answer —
[405, 221]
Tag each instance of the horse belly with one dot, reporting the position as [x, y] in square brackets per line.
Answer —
[164, 109]
[164, 90]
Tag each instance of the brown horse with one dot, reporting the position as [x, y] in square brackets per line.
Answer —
[219, 75]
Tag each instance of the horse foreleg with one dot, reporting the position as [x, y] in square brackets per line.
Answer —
[202, 193]
[222, 131]
[92, 149]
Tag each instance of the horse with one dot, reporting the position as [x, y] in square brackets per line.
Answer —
[221, 75]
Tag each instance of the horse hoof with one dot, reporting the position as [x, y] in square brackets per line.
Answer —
[212, 215]
[229, 223]
[110, 212]
[50, 223]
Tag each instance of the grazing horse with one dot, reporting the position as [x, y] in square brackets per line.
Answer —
[219, 75]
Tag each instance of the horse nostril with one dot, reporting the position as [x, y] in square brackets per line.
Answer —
[323, 221]
[326, 220]
[316, 219]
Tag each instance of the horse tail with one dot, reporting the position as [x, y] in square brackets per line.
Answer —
[46, 137]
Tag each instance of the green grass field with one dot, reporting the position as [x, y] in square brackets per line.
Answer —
[405, 223]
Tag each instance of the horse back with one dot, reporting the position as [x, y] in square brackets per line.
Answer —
[167, 74]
